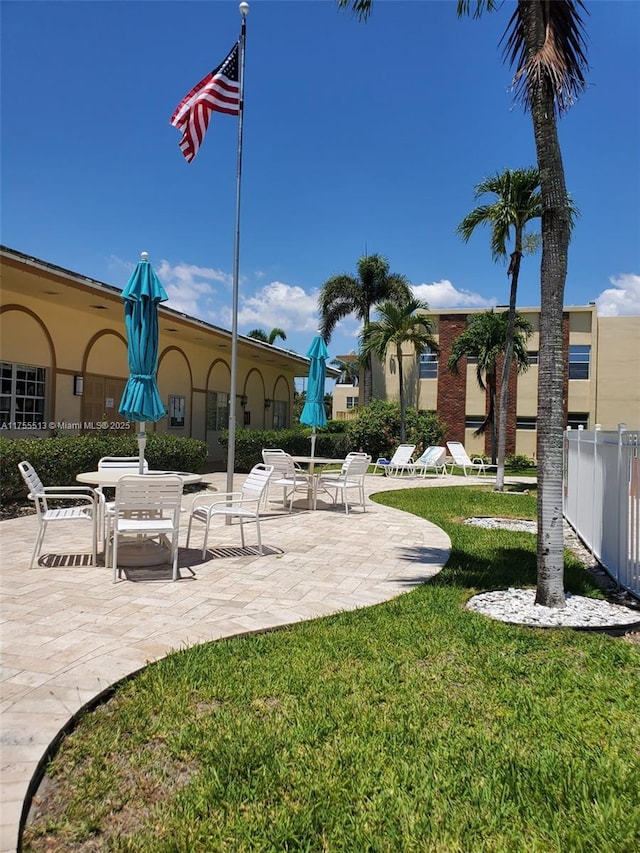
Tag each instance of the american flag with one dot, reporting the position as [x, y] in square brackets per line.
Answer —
[219, 91]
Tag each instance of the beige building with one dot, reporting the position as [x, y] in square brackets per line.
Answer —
[63, 352]
[602, 356]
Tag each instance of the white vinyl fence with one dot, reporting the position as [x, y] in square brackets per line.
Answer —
[602, 498]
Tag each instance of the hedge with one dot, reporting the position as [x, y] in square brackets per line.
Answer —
[59, 460]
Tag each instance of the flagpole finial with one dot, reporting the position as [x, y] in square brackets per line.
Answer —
[244, 9]
[144, 256]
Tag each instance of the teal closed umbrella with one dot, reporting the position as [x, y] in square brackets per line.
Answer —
[314, 413]
[141, 399]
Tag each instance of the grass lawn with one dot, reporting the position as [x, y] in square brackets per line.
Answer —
[414, 725]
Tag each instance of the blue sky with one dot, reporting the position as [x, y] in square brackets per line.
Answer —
[357, 138]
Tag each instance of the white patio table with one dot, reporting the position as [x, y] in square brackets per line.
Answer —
[142, 552]
[310, 462]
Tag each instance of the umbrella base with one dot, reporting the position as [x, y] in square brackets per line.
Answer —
[142, 552]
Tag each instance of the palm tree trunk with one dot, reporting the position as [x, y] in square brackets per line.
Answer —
[401, 395]
[506, 369]
[555, 245]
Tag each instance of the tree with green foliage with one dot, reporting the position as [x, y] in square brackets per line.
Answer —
[545, 44]
[484, 339]
[399, 324]
[377, 427]
[261, 335]
[342, 295]
[349, 371]
[517, 202]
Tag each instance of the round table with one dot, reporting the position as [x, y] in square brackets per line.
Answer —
[143, 552]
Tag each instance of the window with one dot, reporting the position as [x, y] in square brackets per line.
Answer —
[579, 358]
[428, 364]
[474, 421]
[280, 414]
[578, 419]
[526, 422]
[351, 402]
[217, 410]
[472, 359]
[533, 356]
[22, 393]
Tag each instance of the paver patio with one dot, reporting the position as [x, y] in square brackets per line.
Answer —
[69, 633]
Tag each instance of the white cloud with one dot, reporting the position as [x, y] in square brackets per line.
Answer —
[622, 298]
[285, 306]
[442, 294]
[191, 289]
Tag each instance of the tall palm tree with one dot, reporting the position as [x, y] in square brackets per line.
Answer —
[345, 294]
[399, 323]
[545, 43]
[261, 335]
[517, 203]
[484, 339]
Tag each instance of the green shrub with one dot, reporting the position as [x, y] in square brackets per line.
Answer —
[519, 461]
[59, 460]
[377, 428]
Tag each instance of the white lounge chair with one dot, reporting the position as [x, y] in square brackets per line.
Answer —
[434, 457]
[462, 460]
[243, 505]
[351, 477]
[398, 463]
[85, 511]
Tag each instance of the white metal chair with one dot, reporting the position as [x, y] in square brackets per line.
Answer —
[85, 511]
[434, 457]
[285, 473]
[243, 505]
[351, 477]
[462, 460]
[146, 507]
[398, 463]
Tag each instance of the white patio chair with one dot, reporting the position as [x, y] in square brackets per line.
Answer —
[462, 460]
[399, 461]
[434, 457]
[146, 507]
[243, 505]
[107, 463]
[85, 511]
[351, 477]
[286, 474]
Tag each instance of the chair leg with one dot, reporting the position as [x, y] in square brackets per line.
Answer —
[94, 537]
[241, 530]
[260, 551]
[189, 531]
[38, 545]
[114, 549]
[206, 536]
[175, 550]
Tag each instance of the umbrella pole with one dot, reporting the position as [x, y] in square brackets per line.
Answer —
[313, 441]
[142, 442]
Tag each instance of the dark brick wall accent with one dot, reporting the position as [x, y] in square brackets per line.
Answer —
[512, 405]
[565, 353]
[452, 387]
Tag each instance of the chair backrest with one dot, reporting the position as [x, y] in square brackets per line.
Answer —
[281, 462]
[352, 455]
[149, 494]
[257, 481]
[132, 462]
[460, 455]
[433, 455]
[356, 466]
[34, 485]
[403, 454]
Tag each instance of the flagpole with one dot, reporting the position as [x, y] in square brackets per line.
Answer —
[231, 452]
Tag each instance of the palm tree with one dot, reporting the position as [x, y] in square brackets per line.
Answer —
[484, 339]
[349, 371]
[517, 203]
[345, 294]
[399, 324]
[545, 43]
[261, 335]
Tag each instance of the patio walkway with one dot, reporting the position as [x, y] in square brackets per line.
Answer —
[69, 633]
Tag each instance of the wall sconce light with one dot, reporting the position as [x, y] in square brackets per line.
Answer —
[78, 386]
[243, 400]
[267, 403]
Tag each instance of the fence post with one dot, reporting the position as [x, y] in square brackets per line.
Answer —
[623, 516]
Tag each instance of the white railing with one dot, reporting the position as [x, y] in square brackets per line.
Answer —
[602, 498]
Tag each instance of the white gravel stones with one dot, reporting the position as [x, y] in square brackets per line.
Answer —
[518, 607]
